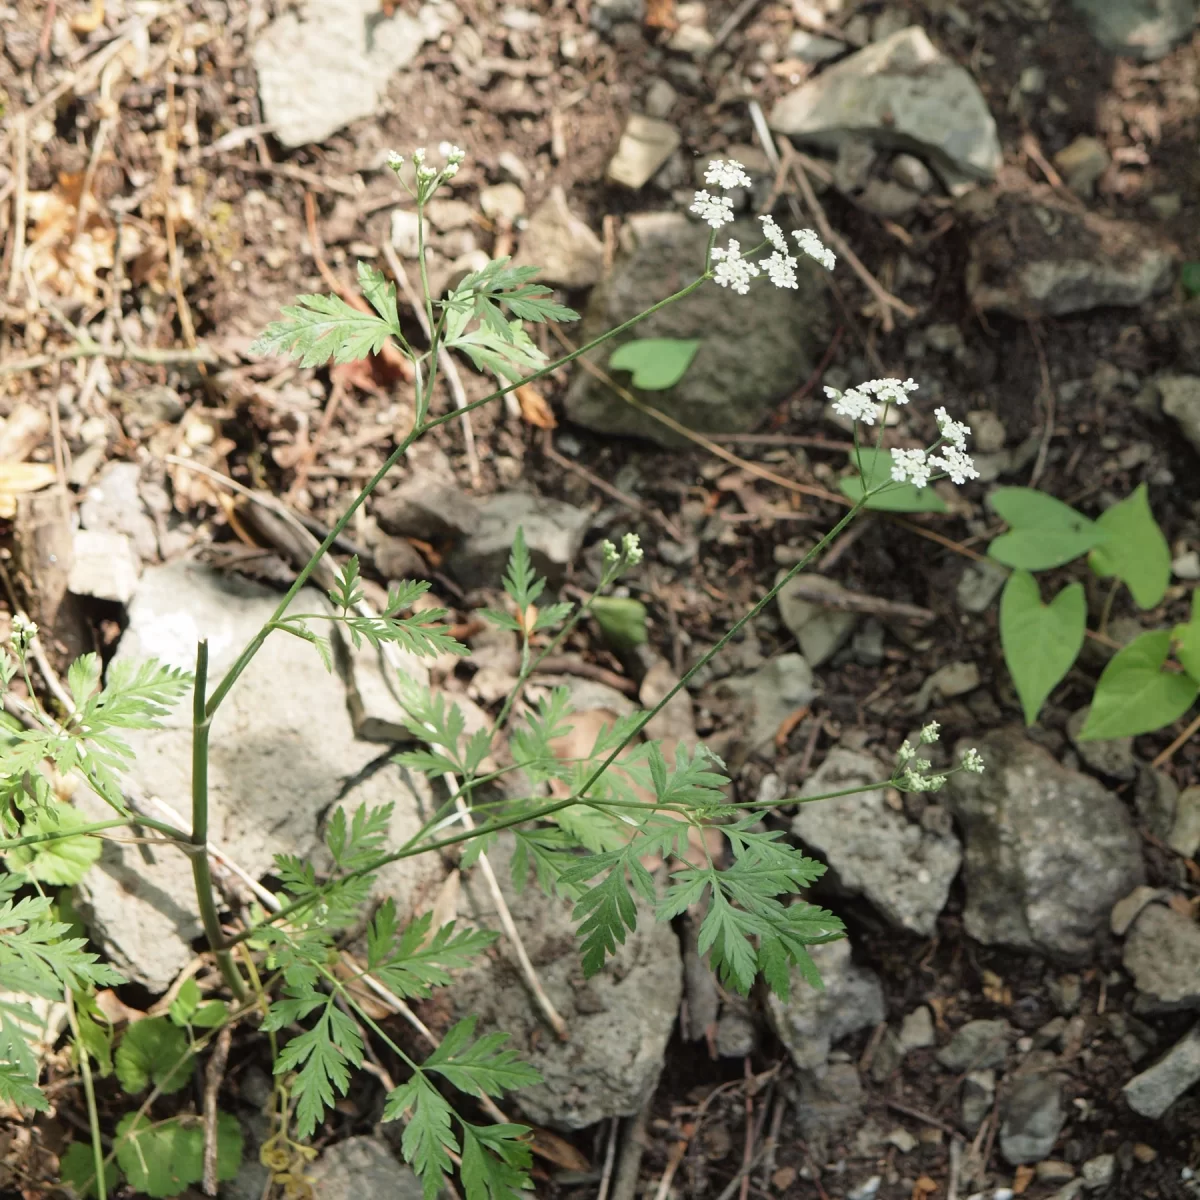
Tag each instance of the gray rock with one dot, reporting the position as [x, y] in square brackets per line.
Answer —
[553, 531]
[978, 1045]
[1145, 29]
[737, 1035]
[1082, 162]
[916, 1030]
[103, 565]
[900, 92]
[619, 1020]
[910, 172]
[1070, 260]
[502, 202]
[829, 1101]
[980, 584]
[561, 244]
[1152, 1092]
[1098, 1172]
[1129, 908]
[406, 232]
[1185, 830]
[811, 1020]
[113, 504]
[811, 48]
[1049, 851]
[766, 696]
[363, 1168]
[904, 869]
[344, 53]
[428, 505]
[270, 775]
[1156, 795]
[1180, 396]
[978, 1096]
[1033, 1116]
[821, 630]
[1162, 953]
[887, 199]
[661, 98]
[751, 353]
[1112, 756]
[644, 146]
[605, 14]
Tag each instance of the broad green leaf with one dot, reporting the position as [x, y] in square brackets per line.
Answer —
[1187, 640]
[78, 1168]
[1044, 532]
[1135, 695]
[1040, 641]
[655, 363]
[621, 620]
[153, 1051]
[163, 1158]
[1189, 276]
[63, 861]
[875, 471]
[1134, 549]
[187, 1000]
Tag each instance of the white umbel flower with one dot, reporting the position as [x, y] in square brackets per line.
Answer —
[732, 270]
[715, 210]
[911, 466]
[451, 153]
[958, 464]
[774, 234]
[726, 174]
[780, 270]
[955, 432]
[889, 391]
[972, 761]
[814, 247]
[855, 405]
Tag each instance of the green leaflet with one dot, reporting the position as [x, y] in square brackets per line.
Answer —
[655, 363]
[63, 861]
[1044, 531]
[1134, 549]
[153, 1051]
[875, 471]
[1187, 640]
[1040, 641]
[621, 620]
[163, 1158]
[1135, 695]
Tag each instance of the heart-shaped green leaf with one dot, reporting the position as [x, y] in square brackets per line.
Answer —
[1134, 549]
[1040, 641]
[1187, 640]
[622, 620]
[1189, 276]
[875, 471]
[1044, 532]
[1135, 695]
[656, 363]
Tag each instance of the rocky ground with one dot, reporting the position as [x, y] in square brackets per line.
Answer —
[1013, 1012]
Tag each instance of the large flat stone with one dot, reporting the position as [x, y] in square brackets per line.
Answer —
[902, 92]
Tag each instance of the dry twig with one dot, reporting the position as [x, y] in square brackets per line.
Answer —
[214, 1073]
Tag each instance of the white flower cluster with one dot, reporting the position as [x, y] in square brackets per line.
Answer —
[914, 774]
[733, 269]
[629, 555]
[430, 178]
[861, 403]
[23, 633]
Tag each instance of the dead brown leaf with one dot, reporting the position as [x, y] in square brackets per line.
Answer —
[115, 1010]
[1022, 1179]
[922, 1187]
[16, 478]
[89, 22]
[557, 1150]
[660, 14]
[783, 1179]
[534, 407]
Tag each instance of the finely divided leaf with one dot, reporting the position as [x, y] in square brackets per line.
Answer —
[428, 1139]
[1134, 549]
[495, 1162]
[63, 861]
[1040, 641]
[318, 328]
[482, 1065]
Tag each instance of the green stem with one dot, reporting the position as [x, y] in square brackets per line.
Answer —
[244, 659]
[89, 1091]
[199, 840]
[410, 848]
